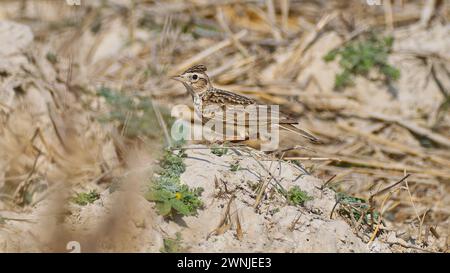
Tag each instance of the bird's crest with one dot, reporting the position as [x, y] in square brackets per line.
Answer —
[196, 68]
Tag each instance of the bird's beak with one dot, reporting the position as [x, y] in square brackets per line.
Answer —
[177, 78]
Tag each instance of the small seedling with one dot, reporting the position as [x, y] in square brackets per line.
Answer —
[235, 167]
[355, 207]
[297, 197]
[358, 58]
[51, 57]
[84, 198]
[219, 151]
[274, 211]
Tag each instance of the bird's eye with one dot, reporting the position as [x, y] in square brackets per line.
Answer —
[194, 77]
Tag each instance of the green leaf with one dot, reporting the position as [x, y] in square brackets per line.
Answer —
[389, 41]
[297, 197]
[361, 56]
[158, 195]
[330, 56]
[342, 80]
[180, 207]
[216, 150]
[390, 72]
[84, 198]
[152, 196]
[164, 208]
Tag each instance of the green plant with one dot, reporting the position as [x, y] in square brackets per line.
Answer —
[172, 245]
[219, 151]
[167, 191]
[274, 211]
[355, 207]
[51, 57]
[235, 167]
[84, 198]
[360, 57]
[134, 114]
[297, 197]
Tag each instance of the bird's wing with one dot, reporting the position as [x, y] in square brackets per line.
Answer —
[234, 102]
[226, 98]
[248, 113]
[244, 115]
[259, 115]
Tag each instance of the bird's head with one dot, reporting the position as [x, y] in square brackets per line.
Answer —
[194, 79]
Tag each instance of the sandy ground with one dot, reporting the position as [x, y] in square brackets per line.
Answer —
[274, 226]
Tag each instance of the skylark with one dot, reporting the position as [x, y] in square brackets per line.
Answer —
[207, 100]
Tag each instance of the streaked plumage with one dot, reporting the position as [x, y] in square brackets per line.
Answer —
[205, 97]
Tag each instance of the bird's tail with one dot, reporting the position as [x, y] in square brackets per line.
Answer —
[299, 131]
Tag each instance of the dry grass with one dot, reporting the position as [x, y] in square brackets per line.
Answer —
[50, 134]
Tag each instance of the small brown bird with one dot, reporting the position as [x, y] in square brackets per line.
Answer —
[205, 95]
